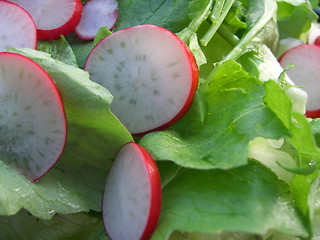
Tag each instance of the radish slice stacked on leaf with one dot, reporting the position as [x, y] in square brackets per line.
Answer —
[17, 27]
[150, 72]
[32, 119]
[53, 18]
[306, 59]
[132, 196]
[96, 14]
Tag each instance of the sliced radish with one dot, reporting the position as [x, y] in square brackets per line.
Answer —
[32, 119]
[96, 14]
[150, 72]
[17, 27]
[306, 59]
[132, 196]
[53, 18]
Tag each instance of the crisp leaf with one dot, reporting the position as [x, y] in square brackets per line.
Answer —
[101, 34]
[305, 192]
[303, 141]
[294, 18]
[170, 14]
[60, 50]
[260, 14]
[79, 226]
[81, 48]
[278, 102]
[248, 199]
[315, 128]
[236, 115]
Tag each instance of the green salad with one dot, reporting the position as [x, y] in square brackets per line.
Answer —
[243, 163]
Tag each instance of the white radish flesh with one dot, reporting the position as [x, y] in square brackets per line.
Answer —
[17, 27]
[151, 74]
[306, 59]
[314, 34]
[96, 14]
[132, 196]
[33, 126]
[53, 18]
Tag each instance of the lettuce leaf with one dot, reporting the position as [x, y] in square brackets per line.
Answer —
[248, 199]
[60, 50]
[294, 18]
[236, 115]
[78, 226]
[171, 14]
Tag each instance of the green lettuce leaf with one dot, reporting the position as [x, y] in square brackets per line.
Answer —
[249, 199]
[60, 50]
[294, 18]
[260, 14]
[236, 16]
[78, 226]
[171, 14]
[81, 48]
[305, 192]
[315, 128]
[94, 136]
[236, 115]
[314, 3]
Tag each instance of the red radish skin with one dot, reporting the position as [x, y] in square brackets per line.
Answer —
[317, 41]
[46, 28]
[193, 89]
[168, 66]
[132, 156]
[313, 114]
[15, 21]
[96, 14]
[33, 121]
[156, 194]
[306, 59]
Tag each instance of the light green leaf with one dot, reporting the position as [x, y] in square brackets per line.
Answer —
[278, 102]
[198, 17]
[259, 15]
[303, 141]
[248, 199]
[315, 128]
[294, 19]
[101, 34]
[305, 192]
[236, 115]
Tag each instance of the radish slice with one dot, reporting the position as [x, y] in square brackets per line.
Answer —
[96, 14]
[132, 196]
[306, 59]
[53, 18]
[150, 72]
[32, 119]
[17, 27]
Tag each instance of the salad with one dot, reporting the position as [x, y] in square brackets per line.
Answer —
[243, 163]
